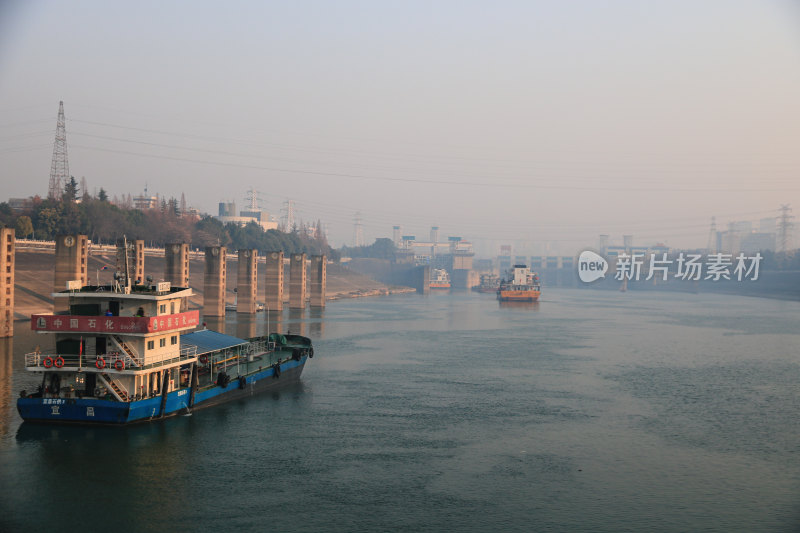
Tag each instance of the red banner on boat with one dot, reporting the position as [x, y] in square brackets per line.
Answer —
[115, 324]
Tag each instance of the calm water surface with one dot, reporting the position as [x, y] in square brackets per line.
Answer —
[590, 411]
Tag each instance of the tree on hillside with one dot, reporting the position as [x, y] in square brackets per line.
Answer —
[84, 189]
[24, 226]
[47, 222]
[71, 190]
[382, 248]
[172, 207]
[6, 215]
[105, 222]
[209, 232]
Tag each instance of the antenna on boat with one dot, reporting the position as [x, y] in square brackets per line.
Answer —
[125, 275]
[127, 267]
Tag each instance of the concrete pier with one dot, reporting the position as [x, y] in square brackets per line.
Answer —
[297, 281]
[273, 281]
[423, 279]
[247, 282]
[7, 258]
[215, 277]
[135, 253]
[72, 255]
[319, 266]
[462, 270]
[460, 278]
[138, 264]
[176, 269]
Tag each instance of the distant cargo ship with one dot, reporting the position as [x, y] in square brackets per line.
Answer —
[440, 279]
[489, 284]
[521, 285]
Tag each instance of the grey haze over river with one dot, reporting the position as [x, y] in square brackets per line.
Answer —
[591, 411]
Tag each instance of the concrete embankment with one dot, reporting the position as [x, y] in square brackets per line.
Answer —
[33, 286]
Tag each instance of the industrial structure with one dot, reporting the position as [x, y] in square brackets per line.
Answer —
[215, 278]
[59, 167]
[7, 260]
[319, 266]
[273, 281]
[298, 281]
[252, 213]
[247, 282]
[176, 268]
[72, 255]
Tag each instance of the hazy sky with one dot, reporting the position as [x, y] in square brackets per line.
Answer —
[536, 124]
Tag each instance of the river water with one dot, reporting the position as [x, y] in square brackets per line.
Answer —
[591, 411]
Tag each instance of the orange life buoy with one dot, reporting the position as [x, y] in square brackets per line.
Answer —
[100, 363]
[48, 362]
[119, 365]
[59, 362]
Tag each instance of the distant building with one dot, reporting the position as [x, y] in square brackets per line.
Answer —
[227, 214]
[758, 242]
[145, 201]
[18, 205]
[740, 237]
[227, 209]
[191, 212]
[768, 225]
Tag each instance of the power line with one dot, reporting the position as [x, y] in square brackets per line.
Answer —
[437, 182]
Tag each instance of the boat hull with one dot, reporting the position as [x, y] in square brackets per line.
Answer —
[97, 411]
[518, 296]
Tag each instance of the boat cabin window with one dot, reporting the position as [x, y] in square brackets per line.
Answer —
[151, 345]
[162, 342]
[85, 309]
[162, 309]
[173, 339]
[172, 308]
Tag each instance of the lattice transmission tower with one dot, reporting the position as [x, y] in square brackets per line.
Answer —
[59, 167]
[711, 247]
[287, 216]
[785, 226]
[253, 199]
[358, 231]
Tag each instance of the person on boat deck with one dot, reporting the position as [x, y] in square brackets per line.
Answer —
[109, 313]
[140, 312]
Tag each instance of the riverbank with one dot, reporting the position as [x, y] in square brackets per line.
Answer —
[33, 285]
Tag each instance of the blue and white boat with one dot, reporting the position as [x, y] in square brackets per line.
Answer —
[125, 354]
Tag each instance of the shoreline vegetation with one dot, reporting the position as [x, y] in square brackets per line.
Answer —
[34, 269]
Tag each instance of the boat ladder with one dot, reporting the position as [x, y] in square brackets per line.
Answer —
[129, 351]
[116, 389]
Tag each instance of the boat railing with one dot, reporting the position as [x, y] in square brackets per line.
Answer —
[185, 353]
[258, 346]
[56, 361]
[110, 359]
